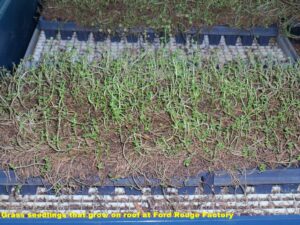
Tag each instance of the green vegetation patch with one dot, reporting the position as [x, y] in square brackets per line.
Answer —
[172, 14]
[156, 115]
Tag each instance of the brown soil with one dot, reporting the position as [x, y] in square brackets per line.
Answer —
[122, 160]
[117, 156]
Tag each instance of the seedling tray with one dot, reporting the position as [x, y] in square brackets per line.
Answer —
[223, 43]
[250, 193]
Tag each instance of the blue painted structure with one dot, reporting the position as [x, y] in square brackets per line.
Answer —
[262, 35]
[66, 30]
[17, 23]
[243, 220]
[288, 179]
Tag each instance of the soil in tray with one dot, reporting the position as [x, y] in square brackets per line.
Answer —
[155, 115]
[175, 14]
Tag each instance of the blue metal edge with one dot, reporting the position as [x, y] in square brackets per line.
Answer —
[256, 177]
[66, 29]
[9, 179]
[237, 220]
[211, 183]
[271, 31]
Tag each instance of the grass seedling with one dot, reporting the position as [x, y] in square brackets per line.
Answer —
[158, 108]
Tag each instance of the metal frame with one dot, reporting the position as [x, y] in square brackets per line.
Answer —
[288, 180]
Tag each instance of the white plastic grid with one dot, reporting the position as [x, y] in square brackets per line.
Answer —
[239, 204]
[94, 50]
